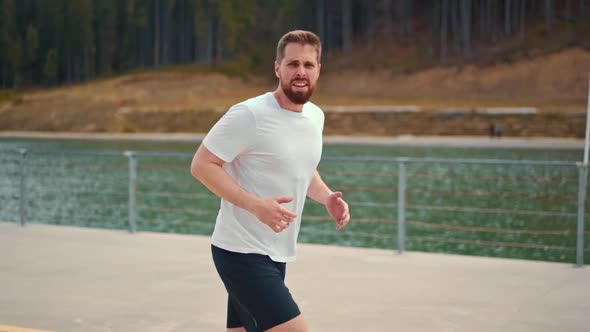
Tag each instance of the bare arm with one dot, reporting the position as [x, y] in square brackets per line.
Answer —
[335, 205]
[207, 168]
[318, 190]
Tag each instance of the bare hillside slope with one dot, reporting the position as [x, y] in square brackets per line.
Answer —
[180, 99]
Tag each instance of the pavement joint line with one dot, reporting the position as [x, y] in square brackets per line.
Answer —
[7, 328]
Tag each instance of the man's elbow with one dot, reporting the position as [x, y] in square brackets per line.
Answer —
[197, 169]
[204, 164]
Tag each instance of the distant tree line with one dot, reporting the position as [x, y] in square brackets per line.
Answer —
[50, 42]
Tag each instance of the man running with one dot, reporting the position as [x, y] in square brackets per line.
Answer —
[261, 158]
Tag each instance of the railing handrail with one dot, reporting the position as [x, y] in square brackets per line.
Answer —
[428, 160]
[402, 187]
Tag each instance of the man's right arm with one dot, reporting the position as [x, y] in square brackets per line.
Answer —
[208, 168]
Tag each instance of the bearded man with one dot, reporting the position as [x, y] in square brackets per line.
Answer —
[261, 158]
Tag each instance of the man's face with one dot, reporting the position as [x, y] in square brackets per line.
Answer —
[298, 72]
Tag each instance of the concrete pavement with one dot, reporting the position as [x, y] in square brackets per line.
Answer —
[60, 278]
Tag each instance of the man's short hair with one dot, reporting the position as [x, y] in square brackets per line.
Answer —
[301, 37]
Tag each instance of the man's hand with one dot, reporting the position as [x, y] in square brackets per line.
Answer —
[271, 213]
[338, 209]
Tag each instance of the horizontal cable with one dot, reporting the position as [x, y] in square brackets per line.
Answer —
[364, 189]
[357, 203]
[61, 163]
[10, 165]
[189, 211]
[102, 174]
[47, 182]
[10, 158]
[176, 222]
[182, 155]
[371, 204]
[87, 206]
[10, 187]
[491, 243]
[63, 207]
[90, 166]
[54, 153]
[159, 166]
[86, 216]
[493, 194]
[487, 210]
[13, 196]
[527, 179]
[122, 192]
[473, 161]
[570, 164]
[110, 153]
[177, 194]
[9, 154]
[346, 233]
[11, 175]
[318, 218]
[353, 173]
[80, 223]
[15, 171]
[60, 176]
[149, 179]
[490, 230]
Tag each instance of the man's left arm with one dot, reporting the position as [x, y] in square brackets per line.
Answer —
[335, 205]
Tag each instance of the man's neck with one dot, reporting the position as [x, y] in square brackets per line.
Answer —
[285, 102]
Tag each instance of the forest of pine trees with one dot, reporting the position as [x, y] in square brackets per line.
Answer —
[52, 42]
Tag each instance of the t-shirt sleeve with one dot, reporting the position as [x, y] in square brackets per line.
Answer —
[233, 134]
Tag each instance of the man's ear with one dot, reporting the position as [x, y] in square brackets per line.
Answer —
[277, 69]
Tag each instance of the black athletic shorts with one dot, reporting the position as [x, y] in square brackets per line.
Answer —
[257, 296]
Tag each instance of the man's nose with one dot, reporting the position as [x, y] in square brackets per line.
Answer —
[300, 71]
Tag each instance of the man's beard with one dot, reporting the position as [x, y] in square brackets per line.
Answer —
[298, 97]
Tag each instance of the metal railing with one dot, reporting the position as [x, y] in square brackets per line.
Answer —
[507, 208]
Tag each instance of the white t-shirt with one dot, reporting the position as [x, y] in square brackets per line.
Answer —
[270, 152]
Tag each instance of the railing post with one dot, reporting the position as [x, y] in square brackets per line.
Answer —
[582, 168]
[23, 187]
[401, 208]
[132, 190]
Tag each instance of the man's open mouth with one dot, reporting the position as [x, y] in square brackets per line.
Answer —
[300, 84]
